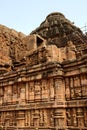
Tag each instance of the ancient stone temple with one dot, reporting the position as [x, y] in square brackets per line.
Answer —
[43, 77]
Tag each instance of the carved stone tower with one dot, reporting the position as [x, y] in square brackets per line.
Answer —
[43, 77]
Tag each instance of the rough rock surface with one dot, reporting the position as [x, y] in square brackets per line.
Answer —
[45, 87]
[10, 44]
[58, 30]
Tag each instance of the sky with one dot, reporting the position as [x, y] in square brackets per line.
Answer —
[26, 15]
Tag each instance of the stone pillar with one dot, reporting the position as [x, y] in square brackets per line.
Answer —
[9, 94]
[37, 91]
[27, 91]
[46, 122]
[85, 117]
[74, 117]
[59, 116]
[51, 84]
[52, 118]
[5, 95]
[80, 117]
[1, 95]
[45, 92]
[59, 113]
[31, 118]
[31, 91]
[21, 118]
[84, 85]
[14, 94]
[67, 89]
[41, 117]
[26, 118]
[77, 87]
[72, 88]
[59, 89]
[68, 117]
[22, 95]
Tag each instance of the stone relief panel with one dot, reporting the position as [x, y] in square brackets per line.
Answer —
[42, 90]
[76, 117]
[7, 118]
[76, 87]
[24, 92]
[33, 118]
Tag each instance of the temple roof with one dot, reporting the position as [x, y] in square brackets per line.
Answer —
[57, 29]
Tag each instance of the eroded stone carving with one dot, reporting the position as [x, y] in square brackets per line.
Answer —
[43, 77]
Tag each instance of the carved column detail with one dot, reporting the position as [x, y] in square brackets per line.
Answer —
[45, 91]
[1, 95]
[67, 89]
[72, 92]
[51, 87]
[22, 92]
[59, 89]
[68, 117]
[59, 116]
[77, 87]
[31, 92]
[80, 116]
[37, 91]
[27, 91]
[85, 117]
[84, 85]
